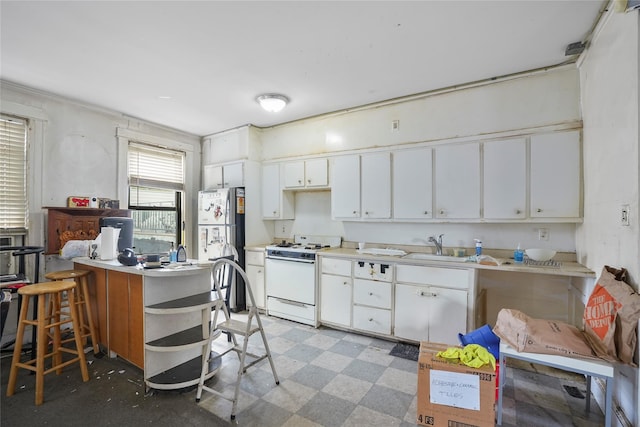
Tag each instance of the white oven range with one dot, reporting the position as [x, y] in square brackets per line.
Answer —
[291, 277]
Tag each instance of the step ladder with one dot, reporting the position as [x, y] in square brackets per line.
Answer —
[225, 269]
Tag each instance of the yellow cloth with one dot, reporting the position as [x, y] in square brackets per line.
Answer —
[473, 355]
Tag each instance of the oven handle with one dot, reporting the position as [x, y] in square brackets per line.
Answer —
[286, 301]
[306, 261]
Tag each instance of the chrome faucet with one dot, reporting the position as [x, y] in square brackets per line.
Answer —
[438, 243]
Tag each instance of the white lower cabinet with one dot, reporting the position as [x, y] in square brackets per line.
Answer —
[254, 261]
[431, 303]
[336, 287]
[335, 299]
[411, 302]
[372, 306]
[372, 319]
[429, 313]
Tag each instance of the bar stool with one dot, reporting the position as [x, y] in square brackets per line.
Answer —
[44, 291]
[85, 316]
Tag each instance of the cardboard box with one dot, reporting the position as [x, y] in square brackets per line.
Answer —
[451, 393]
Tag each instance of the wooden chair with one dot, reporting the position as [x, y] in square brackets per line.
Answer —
[85, 315]
[42, 323]
[234, 328]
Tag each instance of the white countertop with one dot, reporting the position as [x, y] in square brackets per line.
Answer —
[192, 266]
[565, 269]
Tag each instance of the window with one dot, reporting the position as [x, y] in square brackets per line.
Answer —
[13, 175]
[156, 186]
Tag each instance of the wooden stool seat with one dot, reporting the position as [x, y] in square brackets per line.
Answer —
[85, 315]
[42, 291]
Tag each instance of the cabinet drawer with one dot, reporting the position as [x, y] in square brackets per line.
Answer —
[373, 270]
[372, 319]
[303, 313]
[341, 267]
[370, 292]
[255, 257]
[445, 277]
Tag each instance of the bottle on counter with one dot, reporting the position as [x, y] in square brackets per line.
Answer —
[518, 255]
[181, 254]
[478, 247]
[173, 254]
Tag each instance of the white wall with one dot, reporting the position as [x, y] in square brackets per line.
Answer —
[531, 101]
[74, 152]
[610, 88]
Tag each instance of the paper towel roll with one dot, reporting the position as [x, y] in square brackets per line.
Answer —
[109, 243]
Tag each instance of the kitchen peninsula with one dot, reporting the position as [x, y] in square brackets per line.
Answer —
[157, 319]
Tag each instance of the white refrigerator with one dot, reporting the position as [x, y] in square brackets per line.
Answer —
[221, 231]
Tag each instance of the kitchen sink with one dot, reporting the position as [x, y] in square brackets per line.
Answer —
[433, 257]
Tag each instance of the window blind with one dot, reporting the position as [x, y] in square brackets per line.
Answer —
[13, 174]
[155, 167]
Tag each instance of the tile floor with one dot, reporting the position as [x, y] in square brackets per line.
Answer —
[327, 378]
[334, 378]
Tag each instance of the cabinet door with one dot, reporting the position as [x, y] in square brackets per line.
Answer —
[457, 183]
[335, 299]
[118, 322]
[345, 187]
[412, 312]
[375, 185]
[136, 321]
[294, 174]
[213, 177]
[412, 184]
[255, 273]
[271, 191]
[505, 179]
[316, 173]
[233, 175]
[447, 314]
[555, 175]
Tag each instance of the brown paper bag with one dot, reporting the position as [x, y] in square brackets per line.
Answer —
[611, 316]
[532, 335]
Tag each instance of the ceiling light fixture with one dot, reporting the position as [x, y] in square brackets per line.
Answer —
[272, 102]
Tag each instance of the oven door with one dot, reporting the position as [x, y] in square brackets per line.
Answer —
[291, 280]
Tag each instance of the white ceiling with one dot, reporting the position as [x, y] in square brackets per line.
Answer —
[213, 57]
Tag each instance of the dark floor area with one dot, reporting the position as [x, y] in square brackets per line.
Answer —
[113, 396]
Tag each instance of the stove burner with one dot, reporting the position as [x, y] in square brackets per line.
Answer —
[284, 244]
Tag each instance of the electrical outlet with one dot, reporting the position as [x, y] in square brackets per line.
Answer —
[543, 234]
[283, 229]
[395, 125]
[624, 215]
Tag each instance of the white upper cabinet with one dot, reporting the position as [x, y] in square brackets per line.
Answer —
[306, 174]
[224, 176]
[276, 204]
[457, 181]
[505, 179]
[555, 175]
[412, 184]
[213, 177]
[233, 175]
[375, 185]
[345, 187]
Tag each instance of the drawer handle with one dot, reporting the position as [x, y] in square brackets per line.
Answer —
[345, 283]
[426, 294]
[297, 304]
[539, 210]
[371, 319]
[370, 294]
